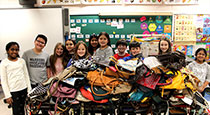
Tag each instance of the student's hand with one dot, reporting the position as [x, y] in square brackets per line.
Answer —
[201, 89]
[9, 101]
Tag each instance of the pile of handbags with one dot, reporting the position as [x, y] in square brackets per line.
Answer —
[158, 84]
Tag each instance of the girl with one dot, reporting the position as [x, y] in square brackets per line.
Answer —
[200, 69]
[69, 50]
[81, 52]
[103, 53]
[164, 46]
[56, 60]
[93, 44]
[15, 79]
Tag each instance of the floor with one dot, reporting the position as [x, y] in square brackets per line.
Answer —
[4, 110]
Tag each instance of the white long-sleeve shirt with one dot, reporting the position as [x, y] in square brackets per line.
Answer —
[14, 76]
[201, 71]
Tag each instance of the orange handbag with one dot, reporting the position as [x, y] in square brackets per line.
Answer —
[98, 79]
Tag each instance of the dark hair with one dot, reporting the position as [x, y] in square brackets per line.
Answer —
[134, 44]
[74, 42]
[41, 36]
[107, 36]
[10, 44]
[68, 56]
[169, 45]
[76, 56]
[54, 57]
[198, 50]
[90, 47]
[121, 42]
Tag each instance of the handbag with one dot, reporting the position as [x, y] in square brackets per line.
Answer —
[98, 79]
[87, 94]
[59, 90]
[146, 77]
[124, 68]
[207, 94]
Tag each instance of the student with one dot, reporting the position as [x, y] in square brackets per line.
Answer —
[81, 52]
[37, 61]
[201, 69]
[164, 46]
[69, 50]
[93, 44]
[103, 53]
[135, 51]
[121, 47]
[15, 79]
[56, 60]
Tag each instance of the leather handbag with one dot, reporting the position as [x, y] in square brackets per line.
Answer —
[60, 90]
[96, 78]
[146, 77]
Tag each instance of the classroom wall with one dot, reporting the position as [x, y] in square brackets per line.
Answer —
[201, 8]
[55, 34]
[23, 25]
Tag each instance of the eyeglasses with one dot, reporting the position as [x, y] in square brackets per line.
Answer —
[40, 42]
[14, 49]
[70, 44]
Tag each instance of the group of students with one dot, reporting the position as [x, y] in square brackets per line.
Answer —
[20, 75]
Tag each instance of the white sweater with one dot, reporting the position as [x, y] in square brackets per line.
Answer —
[14, 76]
[201, 71]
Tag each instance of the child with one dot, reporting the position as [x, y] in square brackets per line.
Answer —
[15, 79]
[37, 61]
[81, 52]
[56, 60]
[200, 69]
[69, 50]
[93, 44]
[103, 53]
[135, 50]
[121, 47]
[164, 46]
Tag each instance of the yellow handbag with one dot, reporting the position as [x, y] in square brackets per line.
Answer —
[179, 82]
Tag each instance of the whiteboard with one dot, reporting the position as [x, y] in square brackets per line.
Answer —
[23, 25]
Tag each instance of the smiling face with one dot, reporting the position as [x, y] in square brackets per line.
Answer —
[200, 57]
[13, 52]
[39, 43]
[121, 48]
[81, 50]
[94, 42]
[59, 50]
[135, 50]
[69, 45]
[164, 46]
[103, 40]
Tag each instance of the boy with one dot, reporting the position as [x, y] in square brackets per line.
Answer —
[121, 47]
[37, 61]
[135, 50]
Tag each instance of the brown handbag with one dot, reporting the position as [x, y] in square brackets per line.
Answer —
[98, 79]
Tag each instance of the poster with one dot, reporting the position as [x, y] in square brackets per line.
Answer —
[185, 29]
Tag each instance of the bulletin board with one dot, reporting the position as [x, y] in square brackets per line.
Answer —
[194, 29]
[118, 27]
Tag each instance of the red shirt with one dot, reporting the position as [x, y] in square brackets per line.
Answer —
[120, 57]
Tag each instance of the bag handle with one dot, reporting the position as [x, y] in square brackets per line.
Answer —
[110, 89]
[166, 83]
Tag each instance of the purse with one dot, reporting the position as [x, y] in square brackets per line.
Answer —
[59, 90]
[146, 77]
[98, 79]
[124, 68]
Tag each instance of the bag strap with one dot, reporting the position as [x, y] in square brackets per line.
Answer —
[166, 83]
[110, 89]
